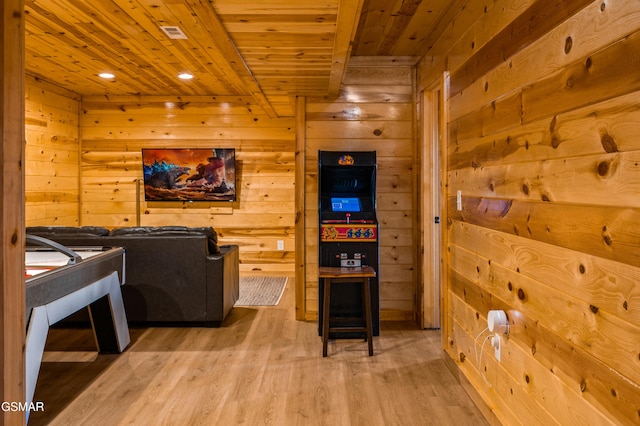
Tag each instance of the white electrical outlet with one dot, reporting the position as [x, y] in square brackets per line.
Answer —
[459, 200]
[280, 245]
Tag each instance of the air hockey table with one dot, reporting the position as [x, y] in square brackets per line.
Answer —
[59, 282]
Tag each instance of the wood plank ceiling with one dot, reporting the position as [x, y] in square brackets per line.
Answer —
[271, 50]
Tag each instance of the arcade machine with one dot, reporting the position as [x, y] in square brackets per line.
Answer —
[348, 229]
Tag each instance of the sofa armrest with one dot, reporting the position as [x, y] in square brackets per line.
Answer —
[223, 283]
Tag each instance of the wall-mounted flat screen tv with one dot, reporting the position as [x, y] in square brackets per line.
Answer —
[189, 174]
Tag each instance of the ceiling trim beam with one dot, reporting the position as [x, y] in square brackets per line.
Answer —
[236, 68]
[346, 27]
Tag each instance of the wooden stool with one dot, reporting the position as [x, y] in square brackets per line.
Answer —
[337, 275]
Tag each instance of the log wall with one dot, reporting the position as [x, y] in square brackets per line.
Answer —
[543, 142]
[370, 117]
[52, 152]
[113, 132]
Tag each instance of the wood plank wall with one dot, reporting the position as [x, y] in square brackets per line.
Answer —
[12, 294]
[370, 117]
[113, 132]
[544, 143]
[52, 152]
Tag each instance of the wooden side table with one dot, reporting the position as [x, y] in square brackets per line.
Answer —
[335, 276]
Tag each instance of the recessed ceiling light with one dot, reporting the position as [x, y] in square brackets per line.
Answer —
[106, 75]
[185, 76]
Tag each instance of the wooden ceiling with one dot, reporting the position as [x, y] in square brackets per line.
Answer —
[271, 50]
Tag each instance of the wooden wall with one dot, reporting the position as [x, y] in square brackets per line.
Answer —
[368, 116]
[113, 132]
[544, 143]
[52, 152]
[12, 216]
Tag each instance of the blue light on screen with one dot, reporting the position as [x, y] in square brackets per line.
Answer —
[345, 204]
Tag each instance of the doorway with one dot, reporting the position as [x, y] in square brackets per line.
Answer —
[431, 207]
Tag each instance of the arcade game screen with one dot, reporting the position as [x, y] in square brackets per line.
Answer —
[345, 204]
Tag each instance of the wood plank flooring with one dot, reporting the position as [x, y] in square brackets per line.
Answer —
[262, 367]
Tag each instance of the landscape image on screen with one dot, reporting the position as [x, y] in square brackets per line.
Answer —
[189, 174]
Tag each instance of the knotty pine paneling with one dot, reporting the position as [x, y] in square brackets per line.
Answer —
[577, 38]
[370, 117]
[52, 165]
[521, 27]
[542, 140]
[12, 311]
[115, 130]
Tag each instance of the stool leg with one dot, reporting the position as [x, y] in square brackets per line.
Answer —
[325, 315]
[367, 312]
[363, 289]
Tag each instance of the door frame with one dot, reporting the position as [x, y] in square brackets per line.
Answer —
[432, 192]
[12, 218]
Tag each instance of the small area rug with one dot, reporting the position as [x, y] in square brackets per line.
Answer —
[261, 291]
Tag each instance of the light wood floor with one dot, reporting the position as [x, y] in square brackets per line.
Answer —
[261, 367]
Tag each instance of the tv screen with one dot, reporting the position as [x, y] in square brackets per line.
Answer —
[189, 174]
[345, 204]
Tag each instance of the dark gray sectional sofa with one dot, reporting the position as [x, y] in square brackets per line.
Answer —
[174, 275]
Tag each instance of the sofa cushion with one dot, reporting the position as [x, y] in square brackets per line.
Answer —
[67, 230]
[146, 230]
[212, 238]
[210, 233]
